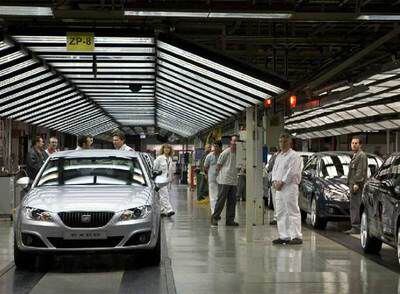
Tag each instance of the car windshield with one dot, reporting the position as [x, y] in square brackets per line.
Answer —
[92, 171]
[337, 166]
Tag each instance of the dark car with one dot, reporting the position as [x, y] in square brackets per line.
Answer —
[324, 193]
[380, 208]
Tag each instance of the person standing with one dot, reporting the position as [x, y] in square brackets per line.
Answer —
[53, 146]
[270, 167]
[358, 173]
[119, 142]
[164, 164]
[286, 177]
[83, 143]
[210, 166]
[36, 157]
[227, 178]
[202, 191]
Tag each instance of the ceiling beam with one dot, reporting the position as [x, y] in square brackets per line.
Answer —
[353, 59]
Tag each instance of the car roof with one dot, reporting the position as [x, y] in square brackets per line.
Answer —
[302, 153]
[94, 153]
[350, 153]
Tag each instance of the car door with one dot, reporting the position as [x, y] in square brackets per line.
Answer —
[375, 193]
[390, 200]
[307, 183]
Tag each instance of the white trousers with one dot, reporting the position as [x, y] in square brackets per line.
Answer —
[273, 196]
[213, 192]
[164, 200]
[288, 212]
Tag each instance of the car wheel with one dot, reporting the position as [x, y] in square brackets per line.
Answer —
[316, 221]
[23, 259]
[368, 243]
[398, 244]
[152, 257]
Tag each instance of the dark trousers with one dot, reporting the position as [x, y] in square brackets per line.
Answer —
[355, 202]
[226, 193]
[202, 188]
[241, 193]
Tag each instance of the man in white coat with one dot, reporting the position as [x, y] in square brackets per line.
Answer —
[286, 177]
[164, 164]
[210, 166]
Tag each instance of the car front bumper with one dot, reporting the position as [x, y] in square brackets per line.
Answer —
[54, 236]
[334, 210]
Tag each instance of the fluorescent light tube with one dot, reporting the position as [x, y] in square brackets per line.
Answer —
[380, 17]
[26, 11]
[256, 15]
[166, 13]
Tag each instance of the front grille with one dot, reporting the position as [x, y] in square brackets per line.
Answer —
[86, 219]
[62, 243]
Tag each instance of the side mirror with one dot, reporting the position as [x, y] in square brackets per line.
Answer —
[23, 181]
[160, 182]
[155, 174]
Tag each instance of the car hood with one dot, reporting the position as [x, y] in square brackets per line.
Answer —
[88, 198]
[335, 184]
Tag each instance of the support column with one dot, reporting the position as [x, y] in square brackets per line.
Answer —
[397, 141]
[254, 206]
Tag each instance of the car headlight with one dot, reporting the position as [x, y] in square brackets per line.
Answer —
[335, 195]
[37, 214]
[136, 213]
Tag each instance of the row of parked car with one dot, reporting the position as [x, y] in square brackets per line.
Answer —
[324, 196]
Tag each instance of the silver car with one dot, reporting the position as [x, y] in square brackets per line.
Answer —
[93, 200]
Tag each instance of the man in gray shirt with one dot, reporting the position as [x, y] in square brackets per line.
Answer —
[227, 179]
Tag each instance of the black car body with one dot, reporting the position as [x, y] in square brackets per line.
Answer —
[380, 208]
[324, 193]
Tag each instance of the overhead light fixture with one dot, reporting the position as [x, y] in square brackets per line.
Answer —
[166, 13]
[256, 15]
[379, 17]
[26, 11]
[206, 14]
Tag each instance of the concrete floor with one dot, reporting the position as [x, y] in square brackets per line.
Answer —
[198, 258]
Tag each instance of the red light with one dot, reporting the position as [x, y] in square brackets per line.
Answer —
[292, 101]
[267, 103]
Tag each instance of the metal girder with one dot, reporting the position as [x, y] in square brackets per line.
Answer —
[339, 68]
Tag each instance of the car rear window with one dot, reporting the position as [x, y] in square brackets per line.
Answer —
[92, 171]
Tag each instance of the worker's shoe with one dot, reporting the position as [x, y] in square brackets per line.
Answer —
[280, 241]
[273, 222]
[202, 201]
[296, 241]
[232, 224]
[171, 213]
[214, 222]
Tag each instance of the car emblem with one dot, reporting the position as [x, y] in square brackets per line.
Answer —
[86, 218]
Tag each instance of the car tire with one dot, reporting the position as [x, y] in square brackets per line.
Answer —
[23, 259]
[317, 222]
[369, 243]
[152, 257]
[398, 245]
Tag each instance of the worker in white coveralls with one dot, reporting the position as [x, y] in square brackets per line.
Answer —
[286, 176]
[210, 166]
[164, 164]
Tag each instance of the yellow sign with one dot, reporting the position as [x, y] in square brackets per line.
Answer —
[80, 41]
